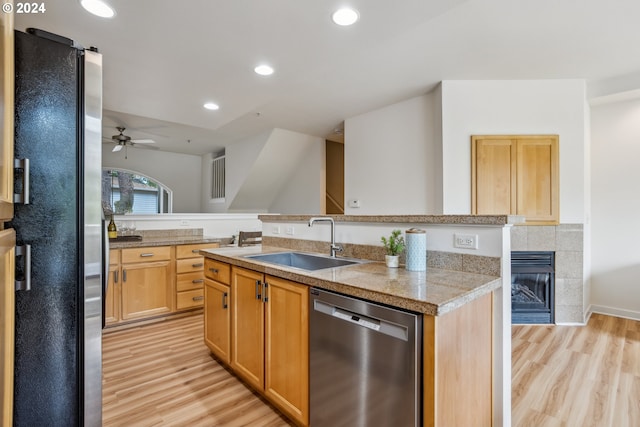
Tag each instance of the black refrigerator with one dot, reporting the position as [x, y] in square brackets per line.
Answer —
[59, 232]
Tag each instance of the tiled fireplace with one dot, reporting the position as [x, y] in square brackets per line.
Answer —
[566, 241]
[532, 287]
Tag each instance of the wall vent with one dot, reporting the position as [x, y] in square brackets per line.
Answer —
[218, 179]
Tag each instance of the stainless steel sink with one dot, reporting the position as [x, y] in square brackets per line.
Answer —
[304, 261]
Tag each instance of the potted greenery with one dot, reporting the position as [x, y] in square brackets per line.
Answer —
[394, 246]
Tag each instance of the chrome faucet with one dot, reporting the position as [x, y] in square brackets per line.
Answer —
[334, 248]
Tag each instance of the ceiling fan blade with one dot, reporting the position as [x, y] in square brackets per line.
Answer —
[143, 141]
[146, 147]
[116, 148]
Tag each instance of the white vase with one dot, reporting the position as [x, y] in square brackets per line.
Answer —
[392, 260]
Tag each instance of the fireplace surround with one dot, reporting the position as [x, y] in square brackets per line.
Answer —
[532, 287]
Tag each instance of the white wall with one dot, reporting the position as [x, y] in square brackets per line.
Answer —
[180, 172]
[271, 172]
[514, 107]
[305, 189]
[393, 159]
[240, 157]
[615, 204]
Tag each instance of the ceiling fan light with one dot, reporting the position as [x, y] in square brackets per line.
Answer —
[116, 148]
[345, 16]
[98, 8]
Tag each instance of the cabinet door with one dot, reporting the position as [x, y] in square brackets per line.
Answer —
[146, 289]
[517, 175]
[217, 319]
[112, 296]
[493, 176]
[247, 355]
[537, 187]
[7, 325]
[6, 114]
[287, 347]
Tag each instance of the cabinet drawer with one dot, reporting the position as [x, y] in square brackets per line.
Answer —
[188, 251]
[189, 299]
[217, 270]
[155, 253]
[114, 256]
[188, 281]
[189, 265]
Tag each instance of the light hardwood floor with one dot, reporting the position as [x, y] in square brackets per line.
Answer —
[577, 376]
[162, 374]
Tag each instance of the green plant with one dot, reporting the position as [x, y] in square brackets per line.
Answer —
[394, 245]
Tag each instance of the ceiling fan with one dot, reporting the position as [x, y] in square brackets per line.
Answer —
[125, 141]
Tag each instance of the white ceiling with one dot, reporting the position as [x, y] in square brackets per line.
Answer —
[163, 59]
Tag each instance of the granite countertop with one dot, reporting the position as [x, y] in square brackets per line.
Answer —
[164, 241]
[406, 219]
[434, 292]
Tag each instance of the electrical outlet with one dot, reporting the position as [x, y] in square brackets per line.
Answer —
[184, 223]
[290, 230]
[276, 229]
[465, 241]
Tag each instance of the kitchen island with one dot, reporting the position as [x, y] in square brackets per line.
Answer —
[457, 308]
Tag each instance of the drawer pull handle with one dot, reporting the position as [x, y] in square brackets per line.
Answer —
[195, 251]
[197, 281]
[224, 300]
[146, 255]
[213, 270]
[198, 298]
[197, 265]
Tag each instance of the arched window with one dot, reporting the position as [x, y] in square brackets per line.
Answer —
[130, 192]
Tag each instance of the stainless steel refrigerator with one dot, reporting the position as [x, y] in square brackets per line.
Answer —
[59, 232]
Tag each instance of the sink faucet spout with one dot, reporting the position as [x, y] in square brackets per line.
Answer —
[333, 248]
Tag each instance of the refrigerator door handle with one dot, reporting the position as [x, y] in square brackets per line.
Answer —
[22, 165]
[25, 252]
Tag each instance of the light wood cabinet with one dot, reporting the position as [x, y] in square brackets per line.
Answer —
[517, 175]
[146, 288]
[112, 295]
[218, 299]
[457, 366]
[270, 339]
[264, 337]
[7, 323]
[247, 356]
[7, 237]
[287, 347]
[190, 275]
[6, 114]
[217, 315]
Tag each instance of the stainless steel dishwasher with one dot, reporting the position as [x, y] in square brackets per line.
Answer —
[364, 362]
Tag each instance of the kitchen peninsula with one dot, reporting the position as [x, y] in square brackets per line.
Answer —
[459, 296]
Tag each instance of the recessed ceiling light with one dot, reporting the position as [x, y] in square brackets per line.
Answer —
[263, 70]
[211, 106]
[98, 8]
[345, 16]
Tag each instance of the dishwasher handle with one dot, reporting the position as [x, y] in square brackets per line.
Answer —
[378, 325]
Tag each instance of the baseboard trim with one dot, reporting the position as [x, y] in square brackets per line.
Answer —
[616, 312]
